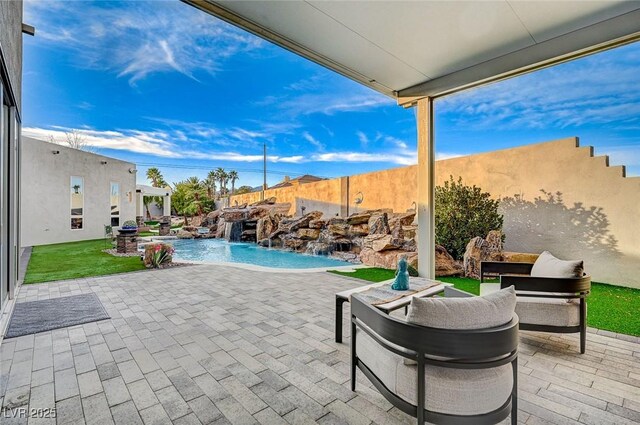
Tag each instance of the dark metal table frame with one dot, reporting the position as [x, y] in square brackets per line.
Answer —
[387, 308]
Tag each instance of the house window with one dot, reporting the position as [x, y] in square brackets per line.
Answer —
[77, 203]
[115, 204]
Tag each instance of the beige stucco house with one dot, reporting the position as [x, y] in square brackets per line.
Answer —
[71, 195]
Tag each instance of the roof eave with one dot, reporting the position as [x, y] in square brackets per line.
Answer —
[614, 32]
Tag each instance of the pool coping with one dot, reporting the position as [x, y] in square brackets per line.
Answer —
[254, 267]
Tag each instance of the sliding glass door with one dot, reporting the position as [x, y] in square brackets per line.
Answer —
[4, 142]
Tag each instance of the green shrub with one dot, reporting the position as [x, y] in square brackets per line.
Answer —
[462, 213]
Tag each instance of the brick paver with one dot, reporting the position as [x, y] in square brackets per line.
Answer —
[223, 345]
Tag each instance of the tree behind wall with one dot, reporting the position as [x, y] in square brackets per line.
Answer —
[462, 213]
[75, 140]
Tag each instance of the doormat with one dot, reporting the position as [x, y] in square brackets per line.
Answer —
[39, 316]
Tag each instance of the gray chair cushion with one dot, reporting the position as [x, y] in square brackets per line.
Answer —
[448, 390]
[549, 266]
[488, 311]
[548, 311]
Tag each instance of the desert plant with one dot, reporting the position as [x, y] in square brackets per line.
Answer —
[129, 224]
[461, 213]
[159, 255]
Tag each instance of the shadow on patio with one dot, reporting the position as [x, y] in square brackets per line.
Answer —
[211, 344]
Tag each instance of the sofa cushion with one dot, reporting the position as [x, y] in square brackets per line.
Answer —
[488, 311]
[548, 311]
[448, 390]
[549, 266]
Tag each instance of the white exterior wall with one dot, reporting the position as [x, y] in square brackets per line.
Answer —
[46, 197]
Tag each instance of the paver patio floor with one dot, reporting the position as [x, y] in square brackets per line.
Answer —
[214, 344]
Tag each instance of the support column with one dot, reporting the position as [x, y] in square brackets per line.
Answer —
[426, 192]
[166, 206]
[139, 208]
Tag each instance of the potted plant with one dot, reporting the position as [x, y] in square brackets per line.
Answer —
[128, 227]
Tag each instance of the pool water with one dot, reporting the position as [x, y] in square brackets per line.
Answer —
[219, 250]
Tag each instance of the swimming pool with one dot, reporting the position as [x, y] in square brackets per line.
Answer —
[219, 250]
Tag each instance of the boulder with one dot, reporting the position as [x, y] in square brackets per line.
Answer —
[294, 243]
[234, 214]
[359, 217]
[408, 244]
[385, 243]
[379, 224]
[403, 219]
[387, 259]
[308, 234]
[317, 224]
[270, 243]
[339, 229]
[304, 220]
[319, 248]
[494, 243]
[446, 265]
[211, 218]
[258, 212]
[337, 220]
[479, 249]
[184, 234]
[196, 221]
[265, 227]
[268, 201]
[367, 241]
[409, 231]
[397, 232]
[221, 227]
[358, 229]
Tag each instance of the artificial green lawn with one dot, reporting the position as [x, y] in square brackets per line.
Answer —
[74, 260]
[613, 308]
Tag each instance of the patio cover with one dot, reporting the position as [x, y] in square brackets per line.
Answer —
[411, 49]
[417, 51]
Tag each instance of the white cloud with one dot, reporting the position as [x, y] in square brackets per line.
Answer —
[138, 38]
[364, 140]
[391, 158]
[172, 143]
[313, 141]
[151, 143]
[600, 89]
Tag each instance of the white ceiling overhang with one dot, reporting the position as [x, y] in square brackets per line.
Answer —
[414, 49]
[153, 191]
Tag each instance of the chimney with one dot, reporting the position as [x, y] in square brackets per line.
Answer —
[286, 178]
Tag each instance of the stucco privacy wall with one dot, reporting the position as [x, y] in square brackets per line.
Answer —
[45, 200]
[555, 196]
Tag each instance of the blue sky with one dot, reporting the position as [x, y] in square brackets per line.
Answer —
[166, 85]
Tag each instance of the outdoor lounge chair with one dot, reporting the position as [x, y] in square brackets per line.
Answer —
[443, 376]
[546, 304]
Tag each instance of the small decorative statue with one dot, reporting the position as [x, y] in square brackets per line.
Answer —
[401, 282]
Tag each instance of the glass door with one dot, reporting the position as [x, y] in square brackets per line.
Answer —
[4, 142]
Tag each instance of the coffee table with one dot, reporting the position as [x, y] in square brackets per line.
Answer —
[343, 297]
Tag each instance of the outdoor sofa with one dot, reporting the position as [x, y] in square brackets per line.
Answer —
[552, 293]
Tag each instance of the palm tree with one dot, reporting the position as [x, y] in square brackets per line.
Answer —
[233, 176]
[155, 176]
[210, 184]
[146, 201]
[196, 186]
[222, 178]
